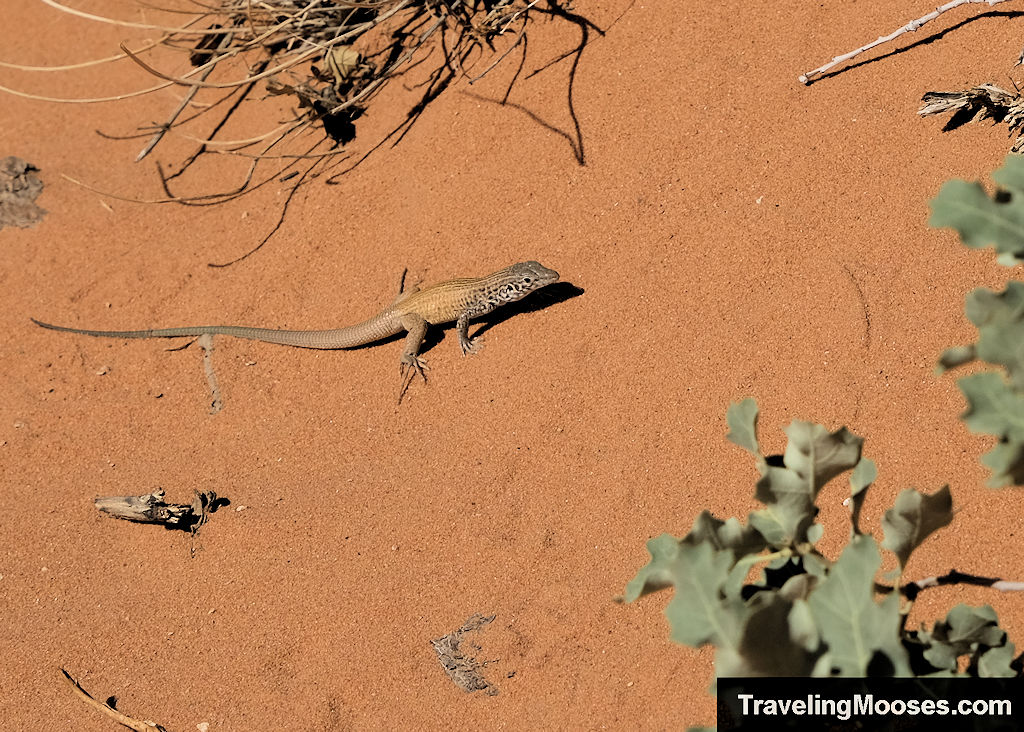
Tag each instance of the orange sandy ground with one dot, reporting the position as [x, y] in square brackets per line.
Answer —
[721, 228]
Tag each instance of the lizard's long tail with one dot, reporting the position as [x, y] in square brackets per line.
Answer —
[380, 326]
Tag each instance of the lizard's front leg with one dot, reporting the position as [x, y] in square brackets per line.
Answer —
[462, 329]
[411, 363]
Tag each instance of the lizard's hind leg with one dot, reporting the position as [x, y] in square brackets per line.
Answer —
[411, 363]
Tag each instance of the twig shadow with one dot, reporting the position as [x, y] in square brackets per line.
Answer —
[575, 137]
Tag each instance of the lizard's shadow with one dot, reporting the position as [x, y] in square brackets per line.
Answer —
[550, 295]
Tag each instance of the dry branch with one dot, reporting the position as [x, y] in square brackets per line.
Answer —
[985, 101]
[954, 577]
[330, 55]
[908, 28]
[122, 719]
[152, 509]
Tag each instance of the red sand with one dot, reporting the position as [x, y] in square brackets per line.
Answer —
[735, 233]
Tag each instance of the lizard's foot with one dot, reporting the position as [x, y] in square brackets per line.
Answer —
[470, 345]
[408, 368]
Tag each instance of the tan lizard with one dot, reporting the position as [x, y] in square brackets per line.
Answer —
[458, 300]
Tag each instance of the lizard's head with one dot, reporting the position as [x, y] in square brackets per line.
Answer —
[524, 278]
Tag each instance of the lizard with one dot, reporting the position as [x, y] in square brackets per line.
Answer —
[459, 300]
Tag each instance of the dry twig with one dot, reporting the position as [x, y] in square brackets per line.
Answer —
[953, 577]
[122, 719]
[332, 56]
[908, 28]
[981, 102]
[462, 667]
[152, 509]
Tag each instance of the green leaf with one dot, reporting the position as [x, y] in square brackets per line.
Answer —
[697, 613]
[657, 574]
[970, 631]
[705, 528]
[966, 630]
[769, 617]
[777, 527]
[852, 624]
[999, 317]
[913, 517]
[956, 356]
[798, 587]
[982, 220]
[742, 420]
[966, 627]
[742, 540]
[823, 668]
[731, 534]
[1006, 461]
[941, 655]
[732, 588]
[995, 662]
[863, 476]
[817, 456]
[815, 566]
[992, 408]
[802, 629]
[1011, 176]
[985, 307]
[815, 532]
[813, 457]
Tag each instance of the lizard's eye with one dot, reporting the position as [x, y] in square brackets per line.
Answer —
[527, 280]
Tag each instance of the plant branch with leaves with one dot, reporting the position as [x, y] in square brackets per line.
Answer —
[834, 618]
[825, 617]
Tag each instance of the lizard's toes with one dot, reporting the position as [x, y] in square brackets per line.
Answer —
[473, 346]
[408, 368]
[413, 365]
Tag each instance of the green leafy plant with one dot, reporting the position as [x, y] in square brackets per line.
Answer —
[826, 618]
[833, 617]
[995, 403]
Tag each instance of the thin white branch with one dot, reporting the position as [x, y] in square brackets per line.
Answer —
[960, 578]
[908, 28]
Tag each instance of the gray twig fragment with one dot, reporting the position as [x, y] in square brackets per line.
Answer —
[985, 101]
[152, 509]
[462, 667]
[19, 188]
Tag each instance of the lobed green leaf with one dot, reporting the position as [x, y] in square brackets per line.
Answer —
[856, 628]
[994, 409]
[813, 457]
[863, 476]
[913, 517]
[742, 420]
[982, 220]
